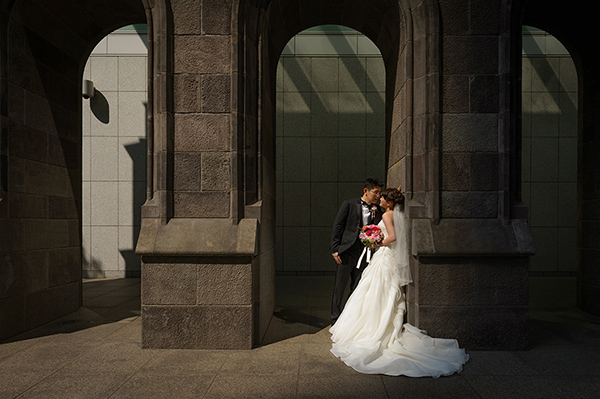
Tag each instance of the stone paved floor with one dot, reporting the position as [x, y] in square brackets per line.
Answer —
[96, 353]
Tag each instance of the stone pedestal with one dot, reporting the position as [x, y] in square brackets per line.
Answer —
[471, 281]
[201, 284]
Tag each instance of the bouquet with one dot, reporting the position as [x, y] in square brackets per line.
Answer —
[371, 236]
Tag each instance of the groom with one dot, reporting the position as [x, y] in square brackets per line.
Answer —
[345, 247]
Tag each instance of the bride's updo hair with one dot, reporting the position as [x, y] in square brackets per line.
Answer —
[393, 196]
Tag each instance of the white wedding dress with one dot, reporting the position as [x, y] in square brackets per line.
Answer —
[370, 335]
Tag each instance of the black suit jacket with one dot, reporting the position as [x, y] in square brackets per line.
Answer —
[348, 223]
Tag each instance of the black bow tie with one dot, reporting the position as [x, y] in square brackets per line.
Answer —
[364, 203]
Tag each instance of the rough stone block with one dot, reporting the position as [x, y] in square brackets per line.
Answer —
[478, 328]
[445, 284]
[12, 309]
[169, 284]
[27, 206]
[473, 132]
[197, 327]
[224, 284]
[16, 102]
[501, 282]
[458, 204]
[44, 233]
[187, 17]
[216, 93]
[64, 266]
[456, 16]
[202, 54]
[27, 142]
[455, 94]
[484, 18]
[216, 17]
[216, 171]
[484, 94]
[63, 152]
[455, 172]
[50, 304]
[214, 204]
[187, 171]
[187, 93]
[202, 132]
[62, 208]
[484, 172]
[397, 149]
[470, 55]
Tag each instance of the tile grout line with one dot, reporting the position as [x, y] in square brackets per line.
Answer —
[95, 344]
[132, 375]
[216, 375]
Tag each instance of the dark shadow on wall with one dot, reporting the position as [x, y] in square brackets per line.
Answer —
[137, 152]
[100, 108]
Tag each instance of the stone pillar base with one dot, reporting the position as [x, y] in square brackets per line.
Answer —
[199, 286]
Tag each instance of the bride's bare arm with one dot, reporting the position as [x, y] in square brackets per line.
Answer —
[388, 220]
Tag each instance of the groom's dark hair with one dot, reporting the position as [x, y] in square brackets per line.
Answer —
[371, 183]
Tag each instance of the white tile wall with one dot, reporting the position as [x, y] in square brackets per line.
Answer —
[549, 151]
[114, 155]
[330, 120]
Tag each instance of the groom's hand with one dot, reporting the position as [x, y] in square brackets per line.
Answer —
[337, 258]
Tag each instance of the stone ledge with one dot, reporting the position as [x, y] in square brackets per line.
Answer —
[471, 237]
[198, 237]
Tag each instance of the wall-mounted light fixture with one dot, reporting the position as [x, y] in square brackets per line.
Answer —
[88, 89]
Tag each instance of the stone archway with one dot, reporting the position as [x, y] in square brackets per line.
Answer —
[206, 246]
[44, 46]
[412, 69]
[209, 226]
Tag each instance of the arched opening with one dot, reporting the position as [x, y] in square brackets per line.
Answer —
[114, 170]
[330, 135]
[114, 153]
[44, 48]
[576, 37]
[549, 167]
[411, 59]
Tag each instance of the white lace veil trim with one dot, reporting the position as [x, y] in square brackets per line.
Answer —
[401, 246]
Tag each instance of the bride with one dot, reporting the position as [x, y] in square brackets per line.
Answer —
[370, 335]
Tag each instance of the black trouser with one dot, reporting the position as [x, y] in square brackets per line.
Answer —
[346, 270]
